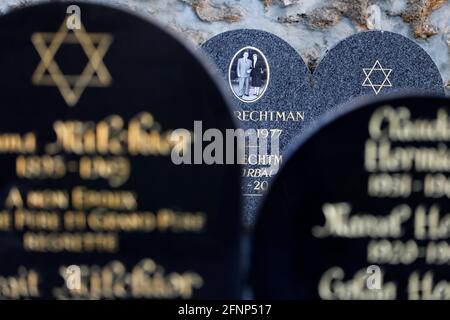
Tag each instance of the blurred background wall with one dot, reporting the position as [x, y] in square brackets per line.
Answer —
[311, 26]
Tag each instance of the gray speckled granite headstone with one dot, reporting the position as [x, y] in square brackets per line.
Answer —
[373, 63]
[368, 63]
[285, 94]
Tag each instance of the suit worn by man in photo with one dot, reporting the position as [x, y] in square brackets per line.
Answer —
[244, 67]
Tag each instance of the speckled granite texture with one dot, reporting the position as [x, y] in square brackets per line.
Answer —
[288, 90]
[368, 63]
[373, 63]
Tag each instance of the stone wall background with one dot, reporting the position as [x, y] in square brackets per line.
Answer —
[311, 26]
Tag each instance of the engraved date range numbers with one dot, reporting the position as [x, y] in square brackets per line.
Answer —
[263, 159]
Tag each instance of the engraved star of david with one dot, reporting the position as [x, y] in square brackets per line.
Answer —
[377, 86]
[71, 87]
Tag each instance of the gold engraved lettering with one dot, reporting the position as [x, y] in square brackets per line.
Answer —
[141, 136]
[70, 242]
[147, 279]
[83, 198]
[167, 219]
[73, 137]
[14, 199]
[424, 287]
[339, 222]
[24, 285]
[115, 170]
[332, 286]
[75, 220]
[47, 199]
[112, 221]
[383, 157]
[5, 221]
[40, 167]
[276, 116]
[163, 220]
[36, 220]
[17, 143]
[436, 186]
[396, 124]
[144, 137]
[430, 225]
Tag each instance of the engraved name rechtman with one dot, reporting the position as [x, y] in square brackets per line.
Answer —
[270, 115]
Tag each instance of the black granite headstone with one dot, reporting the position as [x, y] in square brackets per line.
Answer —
[361, 209]
[93, 206]
[271, 93]
[373, 63]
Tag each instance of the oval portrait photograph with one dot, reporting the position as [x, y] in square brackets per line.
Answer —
[248, 74]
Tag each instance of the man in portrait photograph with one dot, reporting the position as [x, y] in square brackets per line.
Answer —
[244, 67]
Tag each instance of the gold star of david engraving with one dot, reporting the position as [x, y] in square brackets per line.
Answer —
[377, 86]
[71, 87]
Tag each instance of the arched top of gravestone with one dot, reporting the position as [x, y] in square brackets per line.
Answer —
[374, 63]
[288, 77]
[137, 28]
[319, 230]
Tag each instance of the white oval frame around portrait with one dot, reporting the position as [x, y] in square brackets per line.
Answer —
[268, 73]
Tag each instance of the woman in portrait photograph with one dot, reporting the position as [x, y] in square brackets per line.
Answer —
[257, 74]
